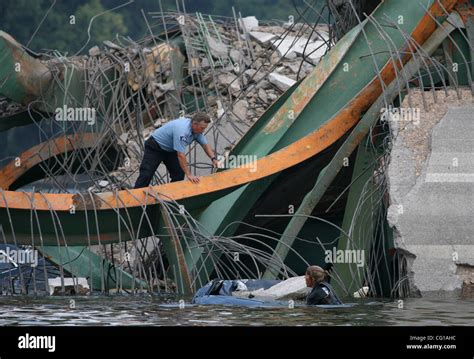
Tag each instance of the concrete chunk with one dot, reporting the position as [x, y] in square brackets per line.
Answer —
[72, 286]
[281, 81]
[263, 38]
[218, 49]
[432, 214]
[248, 23]
[94, 51]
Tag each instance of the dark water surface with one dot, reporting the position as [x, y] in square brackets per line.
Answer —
[154, 311]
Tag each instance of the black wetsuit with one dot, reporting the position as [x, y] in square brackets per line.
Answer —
[322, 293]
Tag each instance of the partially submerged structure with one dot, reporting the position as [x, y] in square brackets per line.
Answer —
[305, 106]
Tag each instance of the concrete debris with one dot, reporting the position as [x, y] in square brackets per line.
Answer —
[112, 46]
[94, 51]
[290, 47]
[252, 76]
[103, 184]
[236, 56]
[72, 286]
[263, 95]
[236, 77]
[281, 81]
[218, 49]
[240, 109]
[263, 38]
[205, 63]
[123, 138]
[430, 186]
[466, 273]
[272, 96]
[229, 82]
[248, 23]
[169, 86]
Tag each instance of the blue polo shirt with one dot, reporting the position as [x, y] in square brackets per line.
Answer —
[176, 135]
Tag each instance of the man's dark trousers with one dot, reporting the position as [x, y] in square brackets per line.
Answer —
[152, 158]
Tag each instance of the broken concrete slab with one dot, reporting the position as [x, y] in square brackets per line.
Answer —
[94, 51]
[240, 109]
[286, 47]
[263, 95]
[432, 214]
[291, 46]
[263, 38]
[252, 75]
[229, 81]
[218, 49]
[169, 86]
[281, 81]
[112, 46]
[235, 56]
[313, 50]
[248, 23]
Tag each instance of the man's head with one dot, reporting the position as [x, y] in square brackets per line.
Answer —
[199, 122]
[314, 275]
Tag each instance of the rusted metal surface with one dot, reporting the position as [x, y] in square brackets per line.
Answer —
[177, 251]
[312, 83]
[465, 8]
[32, 78]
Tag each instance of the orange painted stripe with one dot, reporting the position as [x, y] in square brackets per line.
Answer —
[37, 154]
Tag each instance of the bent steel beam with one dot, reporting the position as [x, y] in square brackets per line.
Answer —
[22, 77]
[330, 172]
[43, 151]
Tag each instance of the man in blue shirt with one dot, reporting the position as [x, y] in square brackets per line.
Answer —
[168, 143]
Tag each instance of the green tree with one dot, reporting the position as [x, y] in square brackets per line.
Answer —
[23, 19]
[104, 25]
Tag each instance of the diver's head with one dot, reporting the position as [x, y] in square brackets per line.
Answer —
[314, 275]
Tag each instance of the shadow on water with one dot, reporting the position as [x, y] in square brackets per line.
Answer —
[158, 311]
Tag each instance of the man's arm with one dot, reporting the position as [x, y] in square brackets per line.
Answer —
[211, 154]
[185, 167]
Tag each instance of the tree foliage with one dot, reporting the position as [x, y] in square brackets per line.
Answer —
[63, 26]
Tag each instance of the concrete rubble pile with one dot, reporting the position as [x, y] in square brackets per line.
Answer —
[236, 69]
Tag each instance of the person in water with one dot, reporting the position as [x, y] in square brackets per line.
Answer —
[322, 292]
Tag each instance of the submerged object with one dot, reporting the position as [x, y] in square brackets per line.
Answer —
[220, 292]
